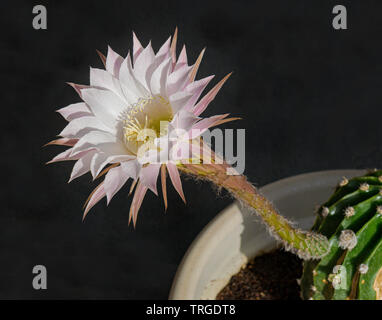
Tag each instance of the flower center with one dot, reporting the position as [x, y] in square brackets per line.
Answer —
[144, 121]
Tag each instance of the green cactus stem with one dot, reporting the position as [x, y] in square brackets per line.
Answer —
[352, 221]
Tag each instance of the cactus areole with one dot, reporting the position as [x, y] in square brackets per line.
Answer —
[352, 221]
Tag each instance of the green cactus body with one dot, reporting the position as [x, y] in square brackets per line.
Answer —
[352, 221]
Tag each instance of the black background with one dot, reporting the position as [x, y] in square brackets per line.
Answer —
[310, 99]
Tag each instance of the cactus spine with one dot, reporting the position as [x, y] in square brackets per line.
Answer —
[352, 221]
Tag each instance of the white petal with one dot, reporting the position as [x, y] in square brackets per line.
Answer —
[97, 163]
[137, 47]
[103, 79]
[113, 62]
[82, 166]
[144, 60]
[184, 120]
[165, 49]
[114, 181]
[159, 78]
[102, 141]
[131, 87]
[178, 79]
[117, 177]
[105, 105]
[77, 128]
[179, 100]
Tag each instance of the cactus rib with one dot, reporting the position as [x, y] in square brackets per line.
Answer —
[353, 225]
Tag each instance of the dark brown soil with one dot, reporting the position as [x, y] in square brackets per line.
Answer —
[271, 276]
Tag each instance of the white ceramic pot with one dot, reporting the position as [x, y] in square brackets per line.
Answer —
[235, 236]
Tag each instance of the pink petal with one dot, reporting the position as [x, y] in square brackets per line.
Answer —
[204, 102]
[78, 87]
[149, 176]
[63, 142]
[175, 179]
[102, 57]
[196, 65]
[196, 88]
[74, 111]
[95, 197]
[182, 60]
[200, 127]
[173, 46]
[137, 202]
[165, 49]
[163, 181]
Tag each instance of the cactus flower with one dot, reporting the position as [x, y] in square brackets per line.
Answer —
[118, 123]
[127, 113]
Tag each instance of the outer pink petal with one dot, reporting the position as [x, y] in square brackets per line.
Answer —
[98, 194]
[196, 88]
[205, 101]
[175, 179]
[74, 111]
[200, 127]
[165, 49]
[78, 87]
[149, 176]
[195, 68]
[173, 46]
[139, 194]
[63, 142]
[182, 60]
